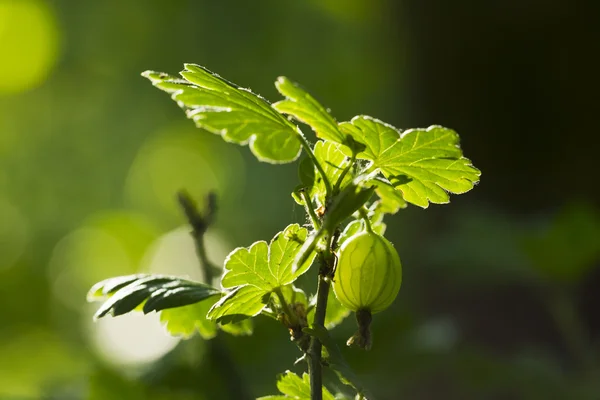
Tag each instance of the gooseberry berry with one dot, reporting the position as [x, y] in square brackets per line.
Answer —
[367, 279]
[368, 273]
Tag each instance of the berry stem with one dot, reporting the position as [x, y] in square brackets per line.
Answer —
[365, 217]
[362, 338]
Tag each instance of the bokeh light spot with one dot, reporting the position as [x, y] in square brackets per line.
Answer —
[175, 253]
[132, 339]
[109, 244]
[29, 43]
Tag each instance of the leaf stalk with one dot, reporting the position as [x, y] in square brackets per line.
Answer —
[308, 205]
[313, 158]
[285, 307]
[339, 181]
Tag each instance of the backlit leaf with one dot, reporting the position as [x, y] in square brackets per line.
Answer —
[242, 328]
[304, 108]
[423, 164]
[235, 113]
[267, 266]
[185, 321]
[294, 387]
[240, 303]
[155, 292]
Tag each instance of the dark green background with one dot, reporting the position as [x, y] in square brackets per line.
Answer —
[499, 299]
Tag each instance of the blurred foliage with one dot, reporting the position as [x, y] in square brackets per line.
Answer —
[500, 289]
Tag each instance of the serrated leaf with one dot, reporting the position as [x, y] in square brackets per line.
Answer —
[124, 301]
[304, 108]
[424, 164]
[129, 297]
[241, 303]
[292, 295]
[155, 292]
[185, 321]
[178, 294]
[235, 113]
[106, 288]
[336, 360]
[294, 387]
[267, 266]
[391, 200]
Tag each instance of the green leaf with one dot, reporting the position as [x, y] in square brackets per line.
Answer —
[242, 328]
[336, 360]
[336, 312]
[267, 266]
[241, 303]
[106, 288]
[304, 108]
[176, 294]
[294, 387]
[185, 321]
[293, 295]
[256, 271]
[423, 164]
[235, 113]
[155, 292]
[333, 162]
[391, 200]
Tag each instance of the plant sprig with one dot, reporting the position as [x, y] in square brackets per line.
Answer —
[355, 173]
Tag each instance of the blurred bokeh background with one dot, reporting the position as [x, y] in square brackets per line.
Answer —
[500, 292]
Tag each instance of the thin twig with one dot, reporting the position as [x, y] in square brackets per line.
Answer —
[218, 351]
[200, 223]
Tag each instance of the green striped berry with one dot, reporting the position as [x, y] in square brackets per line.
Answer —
[368, 273]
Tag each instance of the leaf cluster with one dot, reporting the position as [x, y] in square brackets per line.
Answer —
[357, 172]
